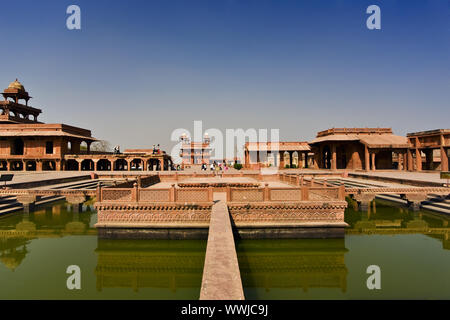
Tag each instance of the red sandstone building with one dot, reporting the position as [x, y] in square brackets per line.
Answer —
[359, 149]
[195, 152]
[277, 154]
[429, 150]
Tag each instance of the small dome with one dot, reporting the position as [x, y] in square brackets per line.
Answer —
[16, 85]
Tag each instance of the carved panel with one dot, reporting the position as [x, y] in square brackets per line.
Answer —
[154, 195]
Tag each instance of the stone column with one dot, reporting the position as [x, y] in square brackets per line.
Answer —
[410, 160]
[354, 159]
[373, 161]
[444, 156]
[366, 158]
[38, 165]
[76, 202]
[28, 202]
[400, 160]
[333, 157]
[444, 160]
[364, 200]
[316, 158]
[161, 163]
[418, 160]
[405, 161]
[247, 159]
[95, 164]
[282, 163]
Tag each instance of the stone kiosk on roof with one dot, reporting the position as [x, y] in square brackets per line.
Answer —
[359, 148]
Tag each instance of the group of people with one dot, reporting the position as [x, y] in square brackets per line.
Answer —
[215, 167]
[156, 149]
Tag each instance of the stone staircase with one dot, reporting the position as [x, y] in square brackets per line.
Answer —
[436, 203]
[9, 204]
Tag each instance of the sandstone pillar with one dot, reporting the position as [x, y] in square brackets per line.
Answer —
[400, 161]
[76, 201]
[418, 160]
[444, 160]
[28, 202]
[410, 160]
[405, 161]
[366, 158]
[373, 162]
[333, 157]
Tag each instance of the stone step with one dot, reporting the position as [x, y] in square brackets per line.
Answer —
[436, 209]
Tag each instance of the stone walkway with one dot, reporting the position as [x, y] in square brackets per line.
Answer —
[221, 275]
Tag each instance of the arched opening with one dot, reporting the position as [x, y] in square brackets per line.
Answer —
[17, 147]
[326, 157]
[16, 165]
[49, 165]
[120, 165]
[69, 147]
[103, 165]
[30, 166]
[72, 165]
[136, 164]
[87, 164]
[3, 165]
[286, 159]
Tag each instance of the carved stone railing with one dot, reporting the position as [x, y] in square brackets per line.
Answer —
[155, 195]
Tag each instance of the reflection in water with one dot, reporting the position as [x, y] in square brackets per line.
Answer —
[18, 230]
[271, 269]
[171, 264]
[385, 218]
[292, 264]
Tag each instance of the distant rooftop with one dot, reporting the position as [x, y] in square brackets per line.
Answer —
[428, 132]
[354, 131]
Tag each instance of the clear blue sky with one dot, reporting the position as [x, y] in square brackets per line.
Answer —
[139, 69]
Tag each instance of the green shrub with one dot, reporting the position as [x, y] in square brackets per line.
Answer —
[293, 166]
[286, 166]
[237, 166]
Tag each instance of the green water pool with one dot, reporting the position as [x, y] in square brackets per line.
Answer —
[412, 250]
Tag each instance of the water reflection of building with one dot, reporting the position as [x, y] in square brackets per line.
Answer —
[13, 251]
[305, 263]
[383, 218]
[18, 231]
[170, 264]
